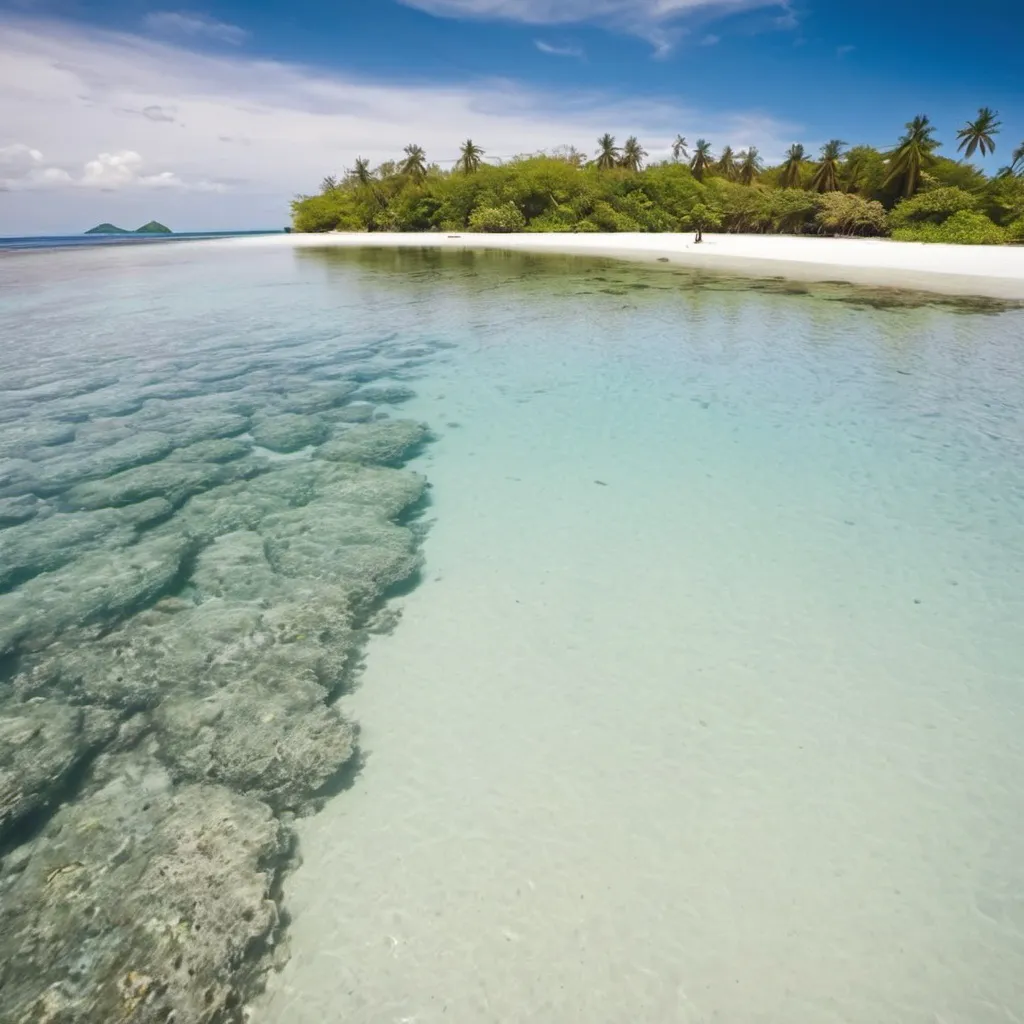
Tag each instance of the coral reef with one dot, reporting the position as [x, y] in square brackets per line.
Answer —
[192, 555]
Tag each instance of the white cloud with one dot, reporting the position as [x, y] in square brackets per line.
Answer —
[557, 51]
[23, 169]
[250, 133]
[182, 23]
[123, 169]
[710, 40]
[660, 22]
[18, 162]
[842, 51]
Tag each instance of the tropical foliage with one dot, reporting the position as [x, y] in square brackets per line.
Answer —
[791, 172]
[470, 158]
[913, 156]
[702, 159]
[911, 191]
[726, 164]
[826, 173]
[977, 134]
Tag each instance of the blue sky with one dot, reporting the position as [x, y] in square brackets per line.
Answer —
[214, 116]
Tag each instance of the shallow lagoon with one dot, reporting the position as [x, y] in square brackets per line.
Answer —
[705, 702]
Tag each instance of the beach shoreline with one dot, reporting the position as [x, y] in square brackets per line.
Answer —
[995, 272]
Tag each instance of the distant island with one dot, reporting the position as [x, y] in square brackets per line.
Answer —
[152, 228]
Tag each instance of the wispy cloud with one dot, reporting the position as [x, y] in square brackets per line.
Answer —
[266, 129]
[557, 51]
[157, 113]
[788, 20]
[183, 23]
[710, 40]
[660, 22]
[842, 51]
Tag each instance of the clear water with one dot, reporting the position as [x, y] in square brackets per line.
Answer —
[707, 703]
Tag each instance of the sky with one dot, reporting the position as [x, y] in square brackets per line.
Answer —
[214, 117]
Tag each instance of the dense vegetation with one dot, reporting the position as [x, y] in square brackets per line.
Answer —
[910, 192]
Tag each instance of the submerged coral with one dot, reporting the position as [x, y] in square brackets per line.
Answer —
[178, 611]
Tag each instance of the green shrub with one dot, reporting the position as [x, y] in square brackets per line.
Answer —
[550, 224]
[331, 211]
[1006, 199]
[792, 210]
[964, 228]
[607, 218]
[497, 219]
[932, 207]
[1015, 231]
[639, 208]
[841, 213]
[703, 218]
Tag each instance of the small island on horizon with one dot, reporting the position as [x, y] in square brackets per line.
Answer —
[152, 228]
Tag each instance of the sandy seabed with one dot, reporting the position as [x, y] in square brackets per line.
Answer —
[989, 271]
[707, 708]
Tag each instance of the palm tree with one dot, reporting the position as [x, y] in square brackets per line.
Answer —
[633, 154]
[415, 162]
[789, 174]
[826, 174]
[329, 184]
[679, 149]
[726, 165]
[855, 169]
[1017, 161]
[977, 134]
[470, 157]
[914, 153]
[361, 173]
[702, 159]
[751, 165]
[607, 153]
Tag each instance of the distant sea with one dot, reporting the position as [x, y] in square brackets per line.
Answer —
[78, 241]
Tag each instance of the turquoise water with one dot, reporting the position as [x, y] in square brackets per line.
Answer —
[690, 688]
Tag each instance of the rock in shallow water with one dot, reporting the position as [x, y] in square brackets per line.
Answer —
[19, 510]
[225, 449]
[141, 903]
[288, 432]
[386, 443]
[42, 743]
[172, 480]
[100, 586]
[57, 474]
[359, 551]
[46, 544]
[385, 394]
[21, 441]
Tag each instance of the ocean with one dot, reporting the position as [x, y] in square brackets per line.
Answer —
[440, 636]
[11, 244]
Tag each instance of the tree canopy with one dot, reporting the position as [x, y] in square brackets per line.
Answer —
[910, 191]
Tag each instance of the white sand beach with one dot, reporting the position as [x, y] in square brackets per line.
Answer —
[975, 270]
